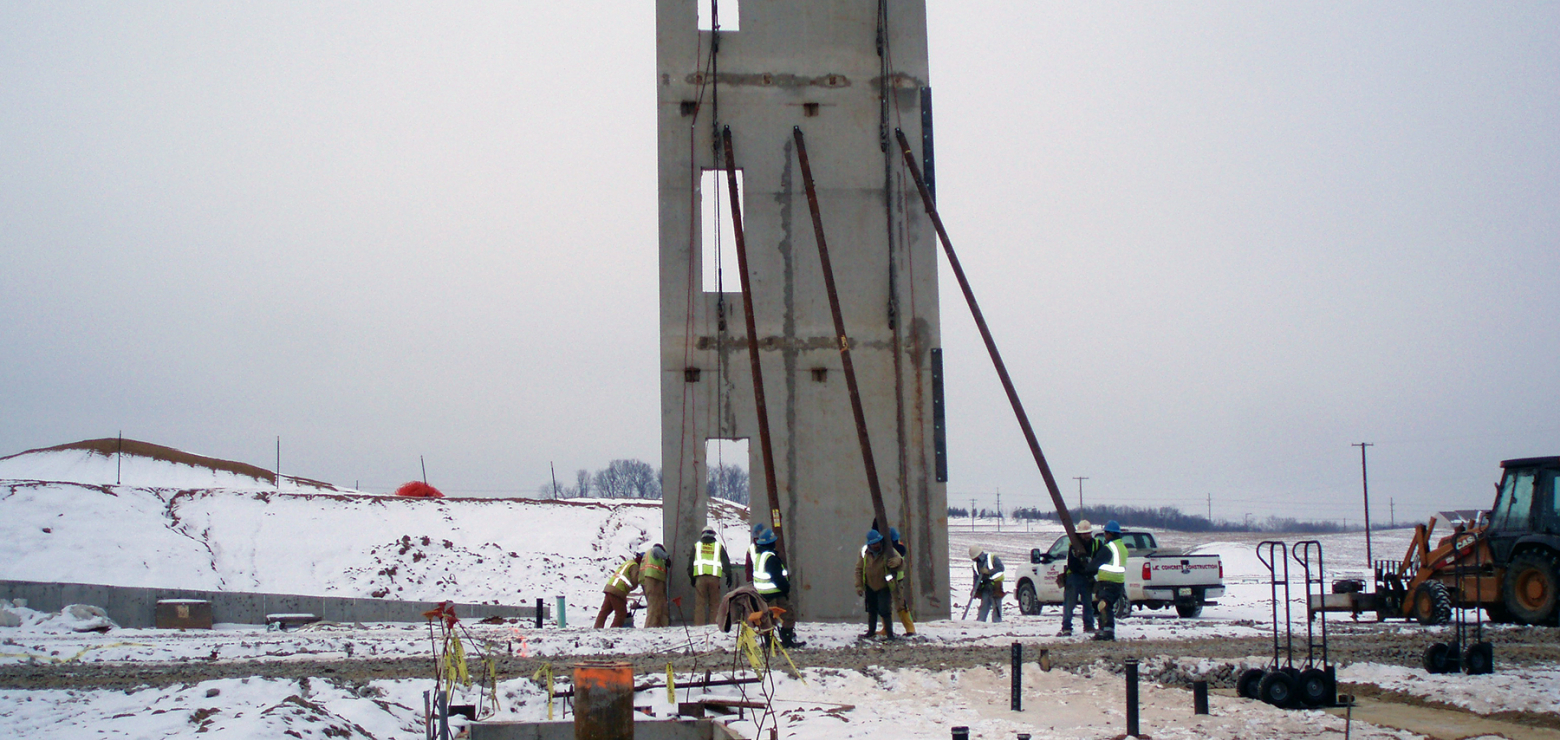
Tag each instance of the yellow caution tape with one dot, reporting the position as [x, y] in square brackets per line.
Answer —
[671, 689]
[547, 672]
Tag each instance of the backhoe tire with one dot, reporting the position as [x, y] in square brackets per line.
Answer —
[1530, 588]
[1028, 603]
[1189, 611]
[1432, 603]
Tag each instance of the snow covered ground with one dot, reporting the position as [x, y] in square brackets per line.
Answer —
[60, 520]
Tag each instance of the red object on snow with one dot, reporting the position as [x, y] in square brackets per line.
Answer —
[418, 489]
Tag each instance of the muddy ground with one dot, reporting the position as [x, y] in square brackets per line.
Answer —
[1523, 647]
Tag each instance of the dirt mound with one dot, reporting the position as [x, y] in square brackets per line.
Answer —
[110, 446]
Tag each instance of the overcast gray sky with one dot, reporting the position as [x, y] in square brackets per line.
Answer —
[1217, 242]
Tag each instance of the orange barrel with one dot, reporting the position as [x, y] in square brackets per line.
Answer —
[603, 701]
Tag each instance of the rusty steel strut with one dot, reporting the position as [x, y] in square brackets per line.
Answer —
[752, 337]
[844, 340]
[991, 344]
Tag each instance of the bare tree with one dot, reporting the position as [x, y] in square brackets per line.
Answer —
[728, 482]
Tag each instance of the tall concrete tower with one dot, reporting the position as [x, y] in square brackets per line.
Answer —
[847, 74]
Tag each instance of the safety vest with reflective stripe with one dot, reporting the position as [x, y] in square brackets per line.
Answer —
[995, 577]
[706, 559]
[888, 573]
[654, 567]
[761, 581]
[620, 578]
[1114, 571]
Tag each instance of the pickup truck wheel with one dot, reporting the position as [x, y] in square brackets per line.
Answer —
[1028, 603]
[1189, 611]
[1529, 591]
[1432, 603]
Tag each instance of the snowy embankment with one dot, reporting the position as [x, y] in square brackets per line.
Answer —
[247, 538]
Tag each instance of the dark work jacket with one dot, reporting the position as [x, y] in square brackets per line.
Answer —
[776, 570]
[1101, 556]
[1078, 563]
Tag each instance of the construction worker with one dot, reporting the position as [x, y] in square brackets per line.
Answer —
[752, 553]
[624, 580]
[901, 584]
[1110, 575]
[1077, 581]
[772, 580]
[875, 571]
[988, 583]
[653, 580]
[705, 569]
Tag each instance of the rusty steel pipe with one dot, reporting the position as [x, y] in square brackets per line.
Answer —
[752, 334]
[991, 344]
[854, 390]
[603, 700]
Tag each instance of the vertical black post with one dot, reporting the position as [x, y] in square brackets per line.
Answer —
[1199, 697]
[1018, 677]
[539, 610]
[1132, 697]
[961, 733]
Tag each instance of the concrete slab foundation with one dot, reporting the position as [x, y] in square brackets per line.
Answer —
[137, 607]
[701, 729]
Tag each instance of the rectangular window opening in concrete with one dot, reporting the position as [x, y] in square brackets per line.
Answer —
[726, 469]
[721, 273]
[726, 9]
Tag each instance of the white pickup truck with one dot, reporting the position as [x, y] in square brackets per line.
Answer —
[1156, 578]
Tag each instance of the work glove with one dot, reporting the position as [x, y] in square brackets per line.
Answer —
[1061, 581]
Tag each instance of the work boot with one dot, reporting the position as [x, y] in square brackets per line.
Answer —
[1087, 629]
[788, 639]
[1105, 636]
[1066, 632]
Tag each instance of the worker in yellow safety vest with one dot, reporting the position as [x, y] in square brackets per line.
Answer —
[1110, 579]
[705, 570]
[653, 579]
[772, 580]
[623, 580]
[875, 571]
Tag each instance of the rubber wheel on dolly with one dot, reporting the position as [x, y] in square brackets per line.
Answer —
[1438, 658]
[1277, 688]
[1480, 659]
[1314, 687]
[1246, 686]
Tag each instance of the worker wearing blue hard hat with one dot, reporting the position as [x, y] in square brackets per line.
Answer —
[1110, 579]
[874, 575]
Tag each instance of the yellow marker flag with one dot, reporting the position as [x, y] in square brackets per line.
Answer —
[671, 686]
[546, 670]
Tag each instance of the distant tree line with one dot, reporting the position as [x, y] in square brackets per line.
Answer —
[638, 479]
[1166, 517]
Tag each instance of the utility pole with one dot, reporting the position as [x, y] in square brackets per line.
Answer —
[118, 455]
[972, 513]
[1365, 486]
[278, 463]
[424, 464]
[1392, 504]
[555, 479]
[1080, 480]
[999, 510]
[1210, 508]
